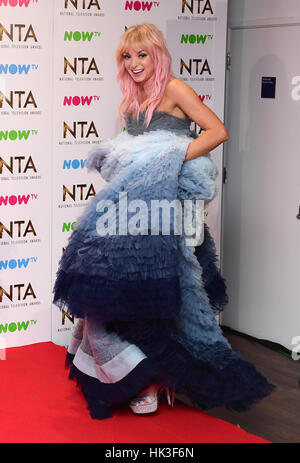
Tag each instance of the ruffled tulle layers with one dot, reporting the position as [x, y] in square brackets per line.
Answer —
[146, 300]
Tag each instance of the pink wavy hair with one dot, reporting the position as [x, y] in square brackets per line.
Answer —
[147, 37]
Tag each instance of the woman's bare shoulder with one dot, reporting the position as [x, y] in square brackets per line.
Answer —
[175, 85]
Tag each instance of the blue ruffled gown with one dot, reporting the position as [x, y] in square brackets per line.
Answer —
[146, 302]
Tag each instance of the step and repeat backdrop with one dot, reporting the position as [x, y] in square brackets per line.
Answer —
[58, 99]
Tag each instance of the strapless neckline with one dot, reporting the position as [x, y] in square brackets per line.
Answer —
[172, 115]
[161, 120]
[158, 111]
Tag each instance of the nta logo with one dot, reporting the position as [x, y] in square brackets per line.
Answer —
[17, 292]
[140, 6]
[19, 31]
[65, 315]
[196, 66]
[84, 133]
[17, 99]
[17, 165]
[196, 6]
[82, 190]
[83, 4]
[17, 229]
[92, 66]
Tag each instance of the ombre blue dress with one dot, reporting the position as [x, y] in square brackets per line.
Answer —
[146, 299]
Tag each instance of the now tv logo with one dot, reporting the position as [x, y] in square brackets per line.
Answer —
[16, 263]
[12, 135]
[16, 326]
[195, 38]
[13, 199]
[205, 97]
[69, 226]
[14, 69]
[15, 3]
[74, 164]
[80, 100]
[78, 36]
[140, 5]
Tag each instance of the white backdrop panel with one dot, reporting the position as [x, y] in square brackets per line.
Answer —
[70, 103]
[25, 173]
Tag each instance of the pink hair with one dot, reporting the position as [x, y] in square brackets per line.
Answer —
[150, 39]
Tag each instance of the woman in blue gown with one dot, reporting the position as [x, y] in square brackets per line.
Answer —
[146, 292]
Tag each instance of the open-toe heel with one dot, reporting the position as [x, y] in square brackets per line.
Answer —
[146, 403]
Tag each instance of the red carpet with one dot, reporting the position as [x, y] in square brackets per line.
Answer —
[40, 405]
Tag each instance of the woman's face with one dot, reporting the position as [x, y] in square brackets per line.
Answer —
[138, 64]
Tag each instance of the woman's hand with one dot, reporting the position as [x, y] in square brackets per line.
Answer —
[183, 96]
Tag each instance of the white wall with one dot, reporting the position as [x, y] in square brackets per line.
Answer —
[241, 11]
[56, 194]
[263, 288]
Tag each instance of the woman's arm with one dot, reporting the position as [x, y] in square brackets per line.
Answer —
[184, 97]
